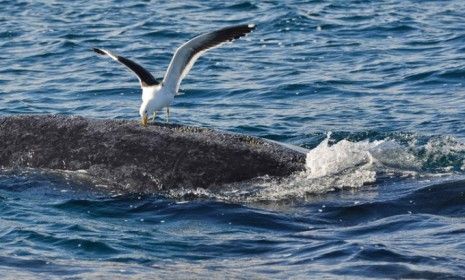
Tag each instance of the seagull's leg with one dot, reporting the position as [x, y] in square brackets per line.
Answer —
[154, 116]
[167, 114]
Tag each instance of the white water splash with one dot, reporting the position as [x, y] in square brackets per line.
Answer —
[326, 160]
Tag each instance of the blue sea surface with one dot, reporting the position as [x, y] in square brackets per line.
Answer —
[373, 89]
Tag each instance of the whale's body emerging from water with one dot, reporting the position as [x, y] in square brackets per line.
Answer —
[131, 158]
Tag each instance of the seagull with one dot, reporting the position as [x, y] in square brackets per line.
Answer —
[157, 95]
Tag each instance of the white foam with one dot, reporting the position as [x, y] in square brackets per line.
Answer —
[326, 160]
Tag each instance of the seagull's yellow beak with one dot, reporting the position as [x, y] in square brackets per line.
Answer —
[144, 120]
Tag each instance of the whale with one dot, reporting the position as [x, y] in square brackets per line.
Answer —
[122, 155]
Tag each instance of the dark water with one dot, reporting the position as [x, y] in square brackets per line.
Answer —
[383, 194]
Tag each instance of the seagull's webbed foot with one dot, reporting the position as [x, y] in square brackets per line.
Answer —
[167, 114]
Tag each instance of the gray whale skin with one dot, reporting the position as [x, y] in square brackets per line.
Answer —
[136, 159]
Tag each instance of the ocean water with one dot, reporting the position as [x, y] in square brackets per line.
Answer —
[373, 89]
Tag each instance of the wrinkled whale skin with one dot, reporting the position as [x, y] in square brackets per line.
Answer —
[133, 158]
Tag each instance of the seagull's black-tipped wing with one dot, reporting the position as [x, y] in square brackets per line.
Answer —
[145, 78]
[186, 55]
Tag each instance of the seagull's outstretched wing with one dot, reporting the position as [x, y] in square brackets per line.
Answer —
[186, 55]
[145, 78]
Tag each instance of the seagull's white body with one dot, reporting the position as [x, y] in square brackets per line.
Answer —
[158, 95]
[155, 98]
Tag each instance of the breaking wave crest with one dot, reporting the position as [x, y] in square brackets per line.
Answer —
[348, 164]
